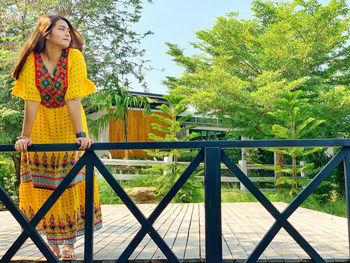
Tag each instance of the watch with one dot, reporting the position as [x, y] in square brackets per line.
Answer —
[80, 134]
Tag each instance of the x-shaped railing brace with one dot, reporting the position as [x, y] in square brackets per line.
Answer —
[146, 224]
[281, 218]
[29, 227]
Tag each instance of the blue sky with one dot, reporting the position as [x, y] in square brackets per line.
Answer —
[176, 21]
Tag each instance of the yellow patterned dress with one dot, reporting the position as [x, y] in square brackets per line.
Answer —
[41, 172]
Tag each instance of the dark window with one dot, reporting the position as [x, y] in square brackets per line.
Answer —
[205, 135]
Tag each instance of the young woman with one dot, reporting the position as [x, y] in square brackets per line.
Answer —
[51, 77]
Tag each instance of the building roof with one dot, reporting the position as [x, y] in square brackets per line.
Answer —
[147, 94]
[157, 98]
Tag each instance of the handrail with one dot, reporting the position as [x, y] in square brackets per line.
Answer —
[188, 145]
[212, 155]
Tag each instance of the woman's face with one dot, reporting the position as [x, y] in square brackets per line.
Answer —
[60, 35]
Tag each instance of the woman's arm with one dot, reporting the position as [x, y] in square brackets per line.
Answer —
[30, 110]
[74, 110]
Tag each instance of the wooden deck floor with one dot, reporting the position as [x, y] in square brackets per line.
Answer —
[182, 226]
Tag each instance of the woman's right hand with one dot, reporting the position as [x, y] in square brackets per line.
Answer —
[22, 144]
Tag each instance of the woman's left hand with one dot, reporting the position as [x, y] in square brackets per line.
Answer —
[85, 143]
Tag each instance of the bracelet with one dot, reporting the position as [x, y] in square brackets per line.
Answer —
[23, 137]
[80, 134]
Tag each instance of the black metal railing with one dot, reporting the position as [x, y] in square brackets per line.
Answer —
[212, 154]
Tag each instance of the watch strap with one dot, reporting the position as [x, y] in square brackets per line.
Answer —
[80, 134]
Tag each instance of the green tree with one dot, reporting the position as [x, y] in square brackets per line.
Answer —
[174, 130]
[243, 65]
[292, 121]
[173, 126]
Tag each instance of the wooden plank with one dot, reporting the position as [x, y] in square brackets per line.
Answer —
[322, 237]
[260, 221]
[114, 245]
[202, 231]
[173, 227]
[9, 232]
[236, 252]
[224, 179]
[123, 162]
[114, 228]
[245, 239]
[193, 243]
[165, 231]
[148, 248]
[131, 162]
[181, 240]
[182, 226]
[28, 250]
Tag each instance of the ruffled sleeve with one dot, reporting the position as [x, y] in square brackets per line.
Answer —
[78, 83]
[25, 86]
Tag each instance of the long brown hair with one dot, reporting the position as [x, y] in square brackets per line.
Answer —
[37, 40]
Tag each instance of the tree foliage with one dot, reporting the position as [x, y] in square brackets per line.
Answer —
[242, 66]
[173, 128]
[292, 121]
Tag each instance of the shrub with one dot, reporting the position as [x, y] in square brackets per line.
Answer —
[8, 178]
[107, 194]
[164, 177]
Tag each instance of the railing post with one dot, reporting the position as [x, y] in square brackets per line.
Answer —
[302, 164]
[243, 165]
[212, 184]
[167, 160]
[347, 190]
[89, 208]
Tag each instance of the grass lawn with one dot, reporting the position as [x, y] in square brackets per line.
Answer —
[335, 207]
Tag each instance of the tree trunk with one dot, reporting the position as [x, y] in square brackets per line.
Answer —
[17, 162]
[126, 155]
[125, 121]
[280, 163]
[294, 166]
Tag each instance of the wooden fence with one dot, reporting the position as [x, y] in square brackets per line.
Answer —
[242, 164]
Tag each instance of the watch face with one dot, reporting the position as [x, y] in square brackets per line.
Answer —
[80, 134]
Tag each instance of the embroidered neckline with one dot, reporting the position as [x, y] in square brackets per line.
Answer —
[52, 89]
[45, 67]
